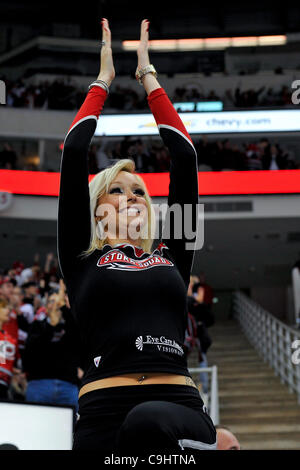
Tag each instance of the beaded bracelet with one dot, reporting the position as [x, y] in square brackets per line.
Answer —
[100, 83]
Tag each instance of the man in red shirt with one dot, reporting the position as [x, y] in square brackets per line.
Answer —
[8, 351]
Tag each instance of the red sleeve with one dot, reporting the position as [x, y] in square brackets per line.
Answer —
[183, 186]
[164, 112]
[92, 105]
[74, 198]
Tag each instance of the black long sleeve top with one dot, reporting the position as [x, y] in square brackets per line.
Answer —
[130, 305]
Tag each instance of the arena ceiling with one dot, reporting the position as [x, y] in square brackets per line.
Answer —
[184, 20]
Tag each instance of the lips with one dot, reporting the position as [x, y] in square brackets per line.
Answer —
[132, 210]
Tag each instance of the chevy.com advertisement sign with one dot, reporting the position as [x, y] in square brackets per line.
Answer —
[204, 123]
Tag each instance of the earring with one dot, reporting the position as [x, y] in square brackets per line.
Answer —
[100, 230]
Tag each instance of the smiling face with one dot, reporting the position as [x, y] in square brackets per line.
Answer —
[123, 209]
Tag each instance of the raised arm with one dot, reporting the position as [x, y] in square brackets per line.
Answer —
[183, 188]
[74, 219]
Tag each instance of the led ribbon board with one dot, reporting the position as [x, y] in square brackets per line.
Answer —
[38, 183]
[286, 120]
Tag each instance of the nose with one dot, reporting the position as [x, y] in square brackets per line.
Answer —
[131, 196]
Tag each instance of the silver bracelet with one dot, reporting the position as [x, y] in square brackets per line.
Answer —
[100, 83]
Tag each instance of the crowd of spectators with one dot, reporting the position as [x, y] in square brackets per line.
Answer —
[39, 342]
[222, 155]
[59, 94]
[219, 155]
[237, 98]
[153, 157]
[64, 94]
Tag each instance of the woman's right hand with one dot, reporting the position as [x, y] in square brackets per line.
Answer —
[142, 50]
[107, 70]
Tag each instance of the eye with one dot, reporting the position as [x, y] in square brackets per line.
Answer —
[115, 190]
[140, 192]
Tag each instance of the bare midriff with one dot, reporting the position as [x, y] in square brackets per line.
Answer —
[138, 379]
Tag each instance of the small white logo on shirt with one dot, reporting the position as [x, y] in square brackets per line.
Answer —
[97, 360]
[162, 343]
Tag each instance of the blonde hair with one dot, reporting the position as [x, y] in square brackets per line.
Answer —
[98, 187]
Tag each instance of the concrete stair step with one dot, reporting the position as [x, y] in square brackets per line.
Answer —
[280, 392]
[238, 353]
[245, 407]
[254, 399]
[265, 429]
[270, 442]
[231, 352]
[229, 339]
[239, 366]
[246, 375]
[245, 360]
[251, 384]
[267, 417]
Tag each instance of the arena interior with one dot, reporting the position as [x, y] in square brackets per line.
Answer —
[233, 75]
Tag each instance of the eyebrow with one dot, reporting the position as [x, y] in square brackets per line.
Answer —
[119, 182]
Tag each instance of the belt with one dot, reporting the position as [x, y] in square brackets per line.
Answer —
[118, 381]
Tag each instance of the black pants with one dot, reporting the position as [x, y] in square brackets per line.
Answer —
[143, 419]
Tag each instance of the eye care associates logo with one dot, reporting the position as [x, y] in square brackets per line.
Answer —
[162, 343]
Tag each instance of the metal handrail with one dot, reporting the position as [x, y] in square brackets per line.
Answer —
[272, 339]
[213, 403]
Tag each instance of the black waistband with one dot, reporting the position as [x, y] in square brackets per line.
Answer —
[119, 399]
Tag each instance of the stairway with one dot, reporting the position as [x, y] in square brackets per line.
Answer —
[254, 404]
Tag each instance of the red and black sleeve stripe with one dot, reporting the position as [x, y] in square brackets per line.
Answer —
[74, 220]
[183, 187]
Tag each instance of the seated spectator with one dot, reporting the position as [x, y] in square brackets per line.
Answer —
[6, 287]
[8, 157]
[208, 291]
[201, 310]
[26, 313]
[51, 357]
[163, 159]
[204, 318]
[142, 158]
[226, 440]
[273, 158]
[15, 302]
[8, 351]
[253, 158]
[203, 154]
[232, 157]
